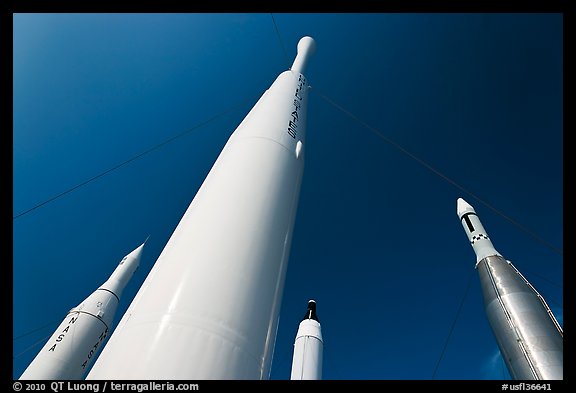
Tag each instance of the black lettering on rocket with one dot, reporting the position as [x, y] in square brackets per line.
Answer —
[292, 128]
[62, 335]
[95, 347]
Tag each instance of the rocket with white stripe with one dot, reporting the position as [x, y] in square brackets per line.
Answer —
[308, 347]
[74, 345]
[528, 335]
[209, 307]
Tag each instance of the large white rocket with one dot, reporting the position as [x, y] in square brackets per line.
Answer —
[209, 307]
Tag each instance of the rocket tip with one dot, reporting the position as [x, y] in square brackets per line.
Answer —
[311, 311]
[312, 305]
[307, 44]
[141, 246]
[306, 47]
[463, 207]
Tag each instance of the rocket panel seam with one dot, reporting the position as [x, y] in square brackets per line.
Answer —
[263, 137]
[107, 290]
[214, 331]
[541, 298]
[519, 338]
[92, 315]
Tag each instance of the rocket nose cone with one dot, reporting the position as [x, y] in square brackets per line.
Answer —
[311, 311]
[312, 304]
[463, 207]
[307, 45]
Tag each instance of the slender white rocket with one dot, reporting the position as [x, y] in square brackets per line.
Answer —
[308, 347]
[209, 307]
[529, 337]
[74, 345]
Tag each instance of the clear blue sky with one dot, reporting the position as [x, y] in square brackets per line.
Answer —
[377, 241]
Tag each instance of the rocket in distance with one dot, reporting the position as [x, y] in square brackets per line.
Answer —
[70, 351]
[307, 359]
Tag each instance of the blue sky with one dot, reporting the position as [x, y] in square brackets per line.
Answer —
[377, 242]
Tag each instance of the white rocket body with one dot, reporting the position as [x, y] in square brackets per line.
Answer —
[209, 307]
[70, 351]
[308, 347]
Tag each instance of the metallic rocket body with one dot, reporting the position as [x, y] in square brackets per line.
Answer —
[209, 307]
[74, 345]
[307, 359]
[529, 337]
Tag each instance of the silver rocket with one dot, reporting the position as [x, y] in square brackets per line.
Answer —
[209, 307]
[529, 337]
[307, 358]
[70, 351]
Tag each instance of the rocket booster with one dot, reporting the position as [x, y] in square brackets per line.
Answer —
[209, 307]
[307, 359]
[529, 337]
[70, 351]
